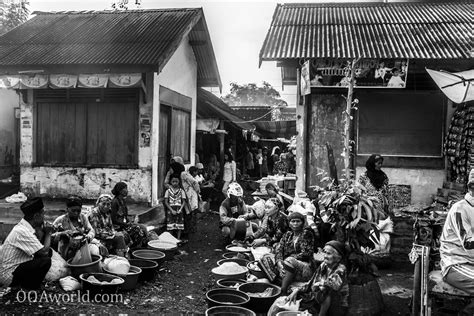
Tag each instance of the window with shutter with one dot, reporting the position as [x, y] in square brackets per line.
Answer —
[92, 128]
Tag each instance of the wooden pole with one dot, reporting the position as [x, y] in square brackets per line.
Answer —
[348, 154]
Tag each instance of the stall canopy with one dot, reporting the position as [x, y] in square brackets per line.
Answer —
[458, 86]
[211, 108]
[276, 129]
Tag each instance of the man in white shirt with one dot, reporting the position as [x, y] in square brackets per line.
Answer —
[457, 243]
[24, 260]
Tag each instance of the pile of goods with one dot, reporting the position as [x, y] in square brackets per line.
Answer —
[229, 268]
[92, 279]
[459, 142]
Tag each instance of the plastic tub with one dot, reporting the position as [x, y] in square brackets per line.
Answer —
[232, 255]
[100, 288]
[226, 297]
[78, 269]
[148, 268]
[236, 248]
[291, 313]
[230, 283]
[229, 311]
[168, 248]
[240, 275]
[240, 262]
[131, 278]
[260, 304]
[257, 272]
[149, 254]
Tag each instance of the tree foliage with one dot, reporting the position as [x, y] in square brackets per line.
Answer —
[252, 95]
[13, 15]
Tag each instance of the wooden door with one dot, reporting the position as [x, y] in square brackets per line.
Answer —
[164, 154]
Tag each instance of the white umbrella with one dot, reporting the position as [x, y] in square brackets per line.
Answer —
[458, 86]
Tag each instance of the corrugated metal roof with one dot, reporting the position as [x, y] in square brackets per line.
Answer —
[139, 37]
[370, 30]
[210, 106]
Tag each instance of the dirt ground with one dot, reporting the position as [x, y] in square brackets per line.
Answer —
[182, 283]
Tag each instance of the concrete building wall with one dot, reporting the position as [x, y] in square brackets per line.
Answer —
[325, 124]
[9, 100]
[89, 183]
[180, 75]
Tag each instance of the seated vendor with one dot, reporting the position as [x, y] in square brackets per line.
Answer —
[327, 291]
[273, 192]
[272, 227]
[24, 259]
[457, 243]
[101, 221]
[72, 228]
[231, 208]
[294, 256]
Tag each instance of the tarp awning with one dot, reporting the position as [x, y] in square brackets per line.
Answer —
[458, 86]
[235, 120]
[276, 129]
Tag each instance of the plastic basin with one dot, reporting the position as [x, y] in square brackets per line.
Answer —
[291, 313]
[100, 288]
[259, 304]
[131, 278]
[148, 268]
[149, 254]
[240, 262]
[78, 269]
[230, 283]
[258, 273]
[241, 275]
[226, 297]
[237, 249]
[229, 311]
[168, 248]
[232, 255]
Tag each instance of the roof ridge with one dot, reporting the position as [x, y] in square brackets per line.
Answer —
[114, 11]
[367, 4]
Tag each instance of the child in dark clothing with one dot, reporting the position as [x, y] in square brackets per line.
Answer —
[175, 200]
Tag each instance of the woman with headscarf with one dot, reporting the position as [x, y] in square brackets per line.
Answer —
[176, 167]
[101, 220]
[280, 168]
[120, 218]
[294, 256]
[326, 293]
[375, 181]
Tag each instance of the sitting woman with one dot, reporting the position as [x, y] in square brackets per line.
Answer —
[274, 224]
[327, 291]
[101, 221]
[273, 192]
[294, 256]
[119, 212]
[73, 229]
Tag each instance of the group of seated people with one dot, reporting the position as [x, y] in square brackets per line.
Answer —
[25, 256]
[293, 237]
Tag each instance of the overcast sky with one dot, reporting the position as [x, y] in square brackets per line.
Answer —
[237, 29]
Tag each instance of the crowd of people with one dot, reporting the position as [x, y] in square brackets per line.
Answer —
[294, 232]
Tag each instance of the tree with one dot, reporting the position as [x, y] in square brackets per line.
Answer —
[13, 15]
[123, 4]
[252, 95]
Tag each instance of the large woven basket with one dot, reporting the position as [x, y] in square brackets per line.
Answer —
[365, 298]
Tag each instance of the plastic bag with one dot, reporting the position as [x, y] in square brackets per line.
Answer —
[117, 265]
[69, 284]
[58, 269]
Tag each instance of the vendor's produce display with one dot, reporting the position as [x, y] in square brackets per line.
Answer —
[459, 143]
[229, 270]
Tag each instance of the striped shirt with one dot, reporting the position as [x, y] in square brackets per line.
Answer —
[19, 247]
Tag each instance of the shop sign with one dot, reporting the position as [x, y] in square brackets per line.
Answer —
[369, 73]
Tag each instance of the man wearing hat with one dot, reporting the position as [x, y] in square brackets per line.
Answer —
[457, 243]
[24, 260]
